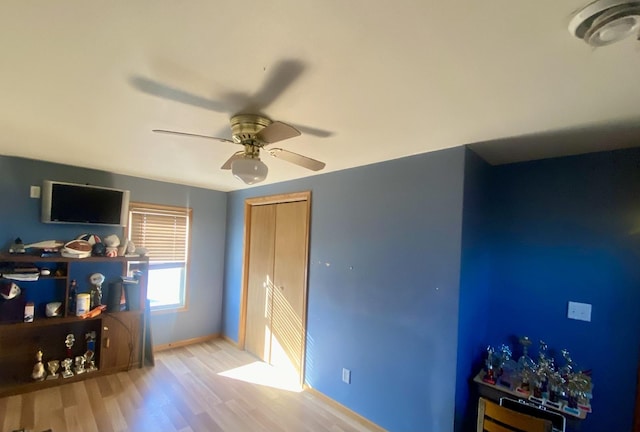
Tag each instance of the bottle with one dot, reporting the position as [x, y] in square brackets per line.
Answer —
[73, 290]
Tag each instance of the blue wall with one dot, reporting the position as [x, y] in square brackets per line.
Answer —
[568, 229]
[406, 285]
[475, 284]
[383, 286]
[20, 216]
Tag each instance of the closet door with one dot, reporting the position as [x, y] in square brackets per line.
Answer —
[260, 281]
[291, 233]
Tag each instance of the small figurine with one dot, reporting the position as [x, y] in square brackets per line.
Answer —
[38, 373]
[73, 291]
[17, 247]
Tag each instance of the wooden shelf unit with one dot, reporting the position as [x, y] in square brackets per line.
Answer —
[120, 336]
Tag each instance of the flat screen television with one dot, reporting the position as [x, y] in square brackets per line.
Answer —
[83, 204]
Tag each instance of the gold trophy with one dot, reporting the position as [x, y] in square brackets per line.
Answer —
[53, 366]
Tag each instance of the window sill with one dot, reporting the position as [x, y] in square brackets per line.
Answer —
[169, 310]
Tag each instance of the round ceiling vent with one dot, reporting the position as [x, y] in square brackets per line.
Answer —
[604, 22]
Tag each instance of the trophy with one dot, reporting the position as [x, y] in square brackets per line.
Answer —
[66, 364]
[526, 365]
[53, 366]
[569, 366]
[79, 368]
[38, 373]
[90, 353]
[490, 375]
[88, 358]
[96, 279]
[508, 368]
[69, 341]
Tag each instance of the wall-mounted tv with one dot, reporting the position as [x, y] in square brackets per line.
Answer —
[83, 204]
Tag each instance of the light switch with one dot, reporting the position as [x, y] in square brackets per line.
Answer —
[346, 376]
[34, 192]
[579, 311]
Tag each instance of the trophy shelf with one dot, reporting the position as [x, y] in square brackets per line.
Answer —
[119, 336]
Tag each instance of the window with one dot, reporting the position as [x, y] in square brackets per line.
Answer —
[164, 232]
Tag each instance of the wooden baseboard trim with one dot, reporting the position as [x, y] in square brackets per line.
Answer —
[182, 343]
[231, 341]
[344, 410]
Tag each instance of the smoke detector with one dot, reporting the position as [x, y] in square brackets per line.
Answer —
[604, 22]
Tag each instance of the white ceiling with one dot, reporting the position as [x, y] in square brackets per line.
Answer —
[387, 79]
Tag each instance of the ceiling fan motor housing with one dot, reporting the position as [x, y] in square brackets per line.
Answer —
[245, 127]
[604, 22]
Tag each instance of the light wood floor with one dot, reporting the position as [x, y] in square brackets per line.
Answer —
[183, 392]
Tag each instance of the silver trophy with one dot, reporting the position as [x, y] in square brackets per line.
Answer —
[79, 368]
[69, 340]
[53, 366]
[66, 364]
[90, 364]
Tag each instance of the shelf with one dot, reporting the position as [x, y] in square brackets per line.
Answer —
[43, 322]
[8, 389]
[41, 278]
[37, 258]
[120, 335]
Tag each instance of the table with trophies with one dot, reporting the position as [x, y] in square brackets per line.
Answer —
[562, 389]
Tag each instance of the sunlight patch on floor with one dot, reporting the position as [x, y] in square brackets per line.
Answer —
[263, 374]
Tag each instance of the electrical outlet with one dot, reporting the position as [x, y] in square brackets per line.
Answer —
[579, 311]
[34, 192]
[346, 376]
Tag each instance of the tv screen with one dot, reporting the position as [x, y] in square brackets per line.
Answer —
[83, 204]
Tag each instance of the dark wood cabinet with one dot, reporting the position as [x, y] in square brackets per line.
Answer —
[122, 341]
[119, 335]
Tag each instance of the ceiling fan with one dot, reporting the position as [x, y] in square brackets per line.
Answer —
[254, 132]
[249, 127]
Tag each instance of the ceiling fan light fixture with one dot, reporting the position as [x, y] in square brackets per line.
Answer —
[604, 22]
[249, 170]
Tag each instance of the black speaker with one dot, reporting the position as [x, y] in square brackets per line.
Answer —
[113, 296]
[132, 295]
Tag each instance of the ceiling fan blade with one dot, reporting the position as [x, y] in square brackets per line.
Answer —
[170, 132]
[166, 92]
[277, 131]
[295, 158]
[283, 74]
[236, 155]
[308, 130]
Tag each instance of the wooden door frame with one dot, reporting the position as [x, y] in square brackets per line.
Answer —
[249, 203]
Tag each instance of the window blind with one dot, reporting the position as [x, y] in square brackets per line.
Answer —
[163, 231]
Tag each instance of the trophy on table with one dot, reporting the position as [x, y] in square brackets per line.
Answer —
[38, 373]
[90, 353]
[53, 366]
[66, 363]
[90, 364]
[79, 367]
[68, 342]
